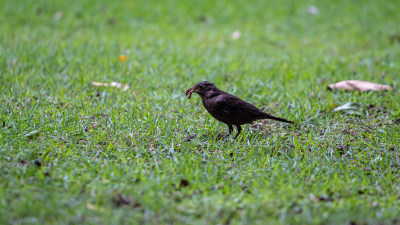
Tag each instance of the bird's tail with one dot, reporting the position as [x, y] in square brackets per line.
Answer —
[277, 118]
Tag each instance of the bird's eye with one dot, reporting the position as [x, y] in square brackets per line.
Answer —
[201, 86]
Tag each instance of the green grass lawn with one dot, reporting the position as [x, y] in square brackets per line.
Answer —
[74, 153]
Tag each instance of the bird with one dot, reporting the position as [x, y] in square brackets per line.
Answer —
[228, 108]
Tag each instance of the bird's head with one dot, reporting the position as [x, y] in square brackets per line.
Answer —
[202, 88]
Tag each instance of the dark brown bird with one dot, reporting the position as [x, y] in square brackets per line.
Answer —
[228, 108]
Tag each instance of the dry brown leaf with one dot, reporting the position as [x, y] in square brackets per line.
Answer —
[112, 84]
[358, 85]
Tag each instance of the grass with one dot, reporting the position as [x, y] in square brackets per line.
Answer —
[73, 153]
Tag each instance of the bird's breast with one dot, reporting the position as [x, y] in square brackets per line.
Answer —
[217, 112]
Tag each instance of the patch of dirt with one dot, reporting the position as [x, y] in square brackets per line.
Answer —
[184, 182]
[119, 200]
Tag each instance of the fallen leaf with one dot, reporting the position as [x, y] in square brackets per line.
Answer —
[112, 84]
[349, 108]
[123, 58]
[91, 206]
[358, 85]
[236, 35]
[100, 84]
[32, 135]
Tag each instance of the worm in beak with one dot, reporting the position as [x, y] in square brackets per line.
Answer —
[189, 92]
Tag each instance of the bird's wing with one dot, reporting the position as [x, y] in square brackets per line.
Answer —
[233, 110]
[233, 105]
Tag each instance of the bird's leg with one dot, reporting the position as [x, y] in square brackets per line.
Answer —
[239, 128]
[230, 127]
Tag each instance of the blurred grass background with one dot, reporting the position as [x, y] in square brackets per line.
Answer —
[74, 153]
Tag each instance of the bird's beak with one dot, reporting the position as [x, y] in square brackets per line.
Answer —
[189, 92]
